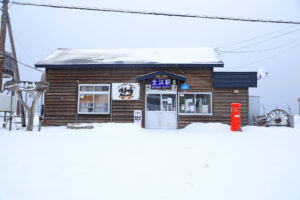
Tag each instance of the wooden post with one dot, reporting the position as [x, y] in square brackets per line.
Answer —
[16, 72]
[6, 23]
[4, 120]
[31, 111]
[41, 113]
[10, 110]
[2, 37]
[33, 105]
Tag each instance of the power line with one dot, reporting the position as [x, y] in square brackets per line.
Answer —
[266, 58]
[10, 5]
[28, 65]
[154, 13]
[20, 62]
[262, 50]
[254, 38]
[266, 40]
[25, 52]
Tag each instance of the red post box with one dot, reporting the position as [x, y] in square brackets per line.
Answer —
[235, 117]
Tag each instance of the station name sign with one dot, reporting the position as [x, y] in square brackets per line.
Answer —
[160, 83]
[25, 86]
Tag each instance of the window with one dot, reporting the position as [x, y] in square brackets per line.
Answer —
[195, 103]
[168, 102]
[153, 102]
[161, 102]
[93, 99]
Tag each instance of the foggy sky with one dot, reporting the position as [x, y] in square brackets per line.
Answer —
[39, 31]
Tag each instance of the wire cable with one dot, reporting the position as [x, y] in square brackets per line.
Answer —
[254, 38]
[262, 50]
[28, 65]
[155, 13]
[266, 40]
[266, 58]
[9, 5]
[5, 55]
[21, 45]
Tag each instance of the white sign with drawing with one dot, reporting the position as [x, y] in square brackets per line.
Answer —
[125, 91]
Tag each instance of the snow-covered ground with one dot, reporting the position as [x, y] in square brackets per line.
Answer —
[123, 161]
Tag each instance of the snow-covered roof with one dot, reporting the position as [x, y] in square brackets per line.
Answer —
[143, 56]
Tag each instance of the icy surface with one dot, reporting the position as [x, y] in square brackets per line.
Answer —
[123, 161]
[133, 56]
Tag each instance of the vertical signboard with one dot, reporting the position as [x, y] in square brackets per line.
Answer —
[138, 117]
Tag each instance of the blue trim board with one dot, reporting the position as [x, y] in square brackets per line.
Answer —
[235, 79]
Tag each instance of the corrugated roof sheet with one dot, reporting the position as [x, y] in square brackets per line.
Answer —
[143, 56]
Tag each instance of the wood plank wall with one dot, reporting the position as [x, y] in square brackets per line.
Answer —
[61, 98]
[222, 99]
[202, 81]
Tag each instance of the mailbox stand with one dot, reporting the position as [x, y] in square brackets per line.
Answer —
[235, 117]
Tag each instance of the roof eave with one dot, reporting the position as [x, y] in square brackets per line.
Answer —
[154, 74]
[41, 65]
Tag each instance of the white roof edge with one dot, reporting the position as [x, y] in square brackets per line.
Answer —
[70, 56]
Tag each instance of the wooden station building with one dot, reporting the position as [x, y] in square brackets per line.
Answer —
[172, 87]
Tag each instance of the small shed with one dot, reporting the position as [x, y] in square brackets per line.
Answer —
[172, 87]
[254, 108]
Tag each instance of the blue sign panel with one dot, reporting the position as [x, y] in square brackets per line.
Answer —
[185, 86]
[160, 83]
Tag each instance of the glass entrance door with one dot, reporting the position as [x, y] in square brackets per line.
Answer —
[161, 110]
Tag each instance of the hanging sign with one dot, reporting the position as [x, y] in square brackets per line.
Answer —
[125, 91]
[25, 86]
[160, 83]
[185, 86]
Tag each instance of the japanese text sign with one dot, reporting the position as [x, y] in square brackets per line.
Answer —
[160, 83]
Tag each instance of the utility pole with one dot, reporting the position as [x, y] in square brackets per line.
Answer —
[5, 23]
[16, 72]
[2, 37]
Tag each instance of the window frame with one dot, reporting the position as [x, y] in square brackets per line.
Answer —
[195, 93]
[161, 92]
[160, 102]
[93, 93]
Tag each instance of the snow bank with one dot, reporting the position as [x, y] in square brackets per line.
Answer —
[124, 161]
[207, 128]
